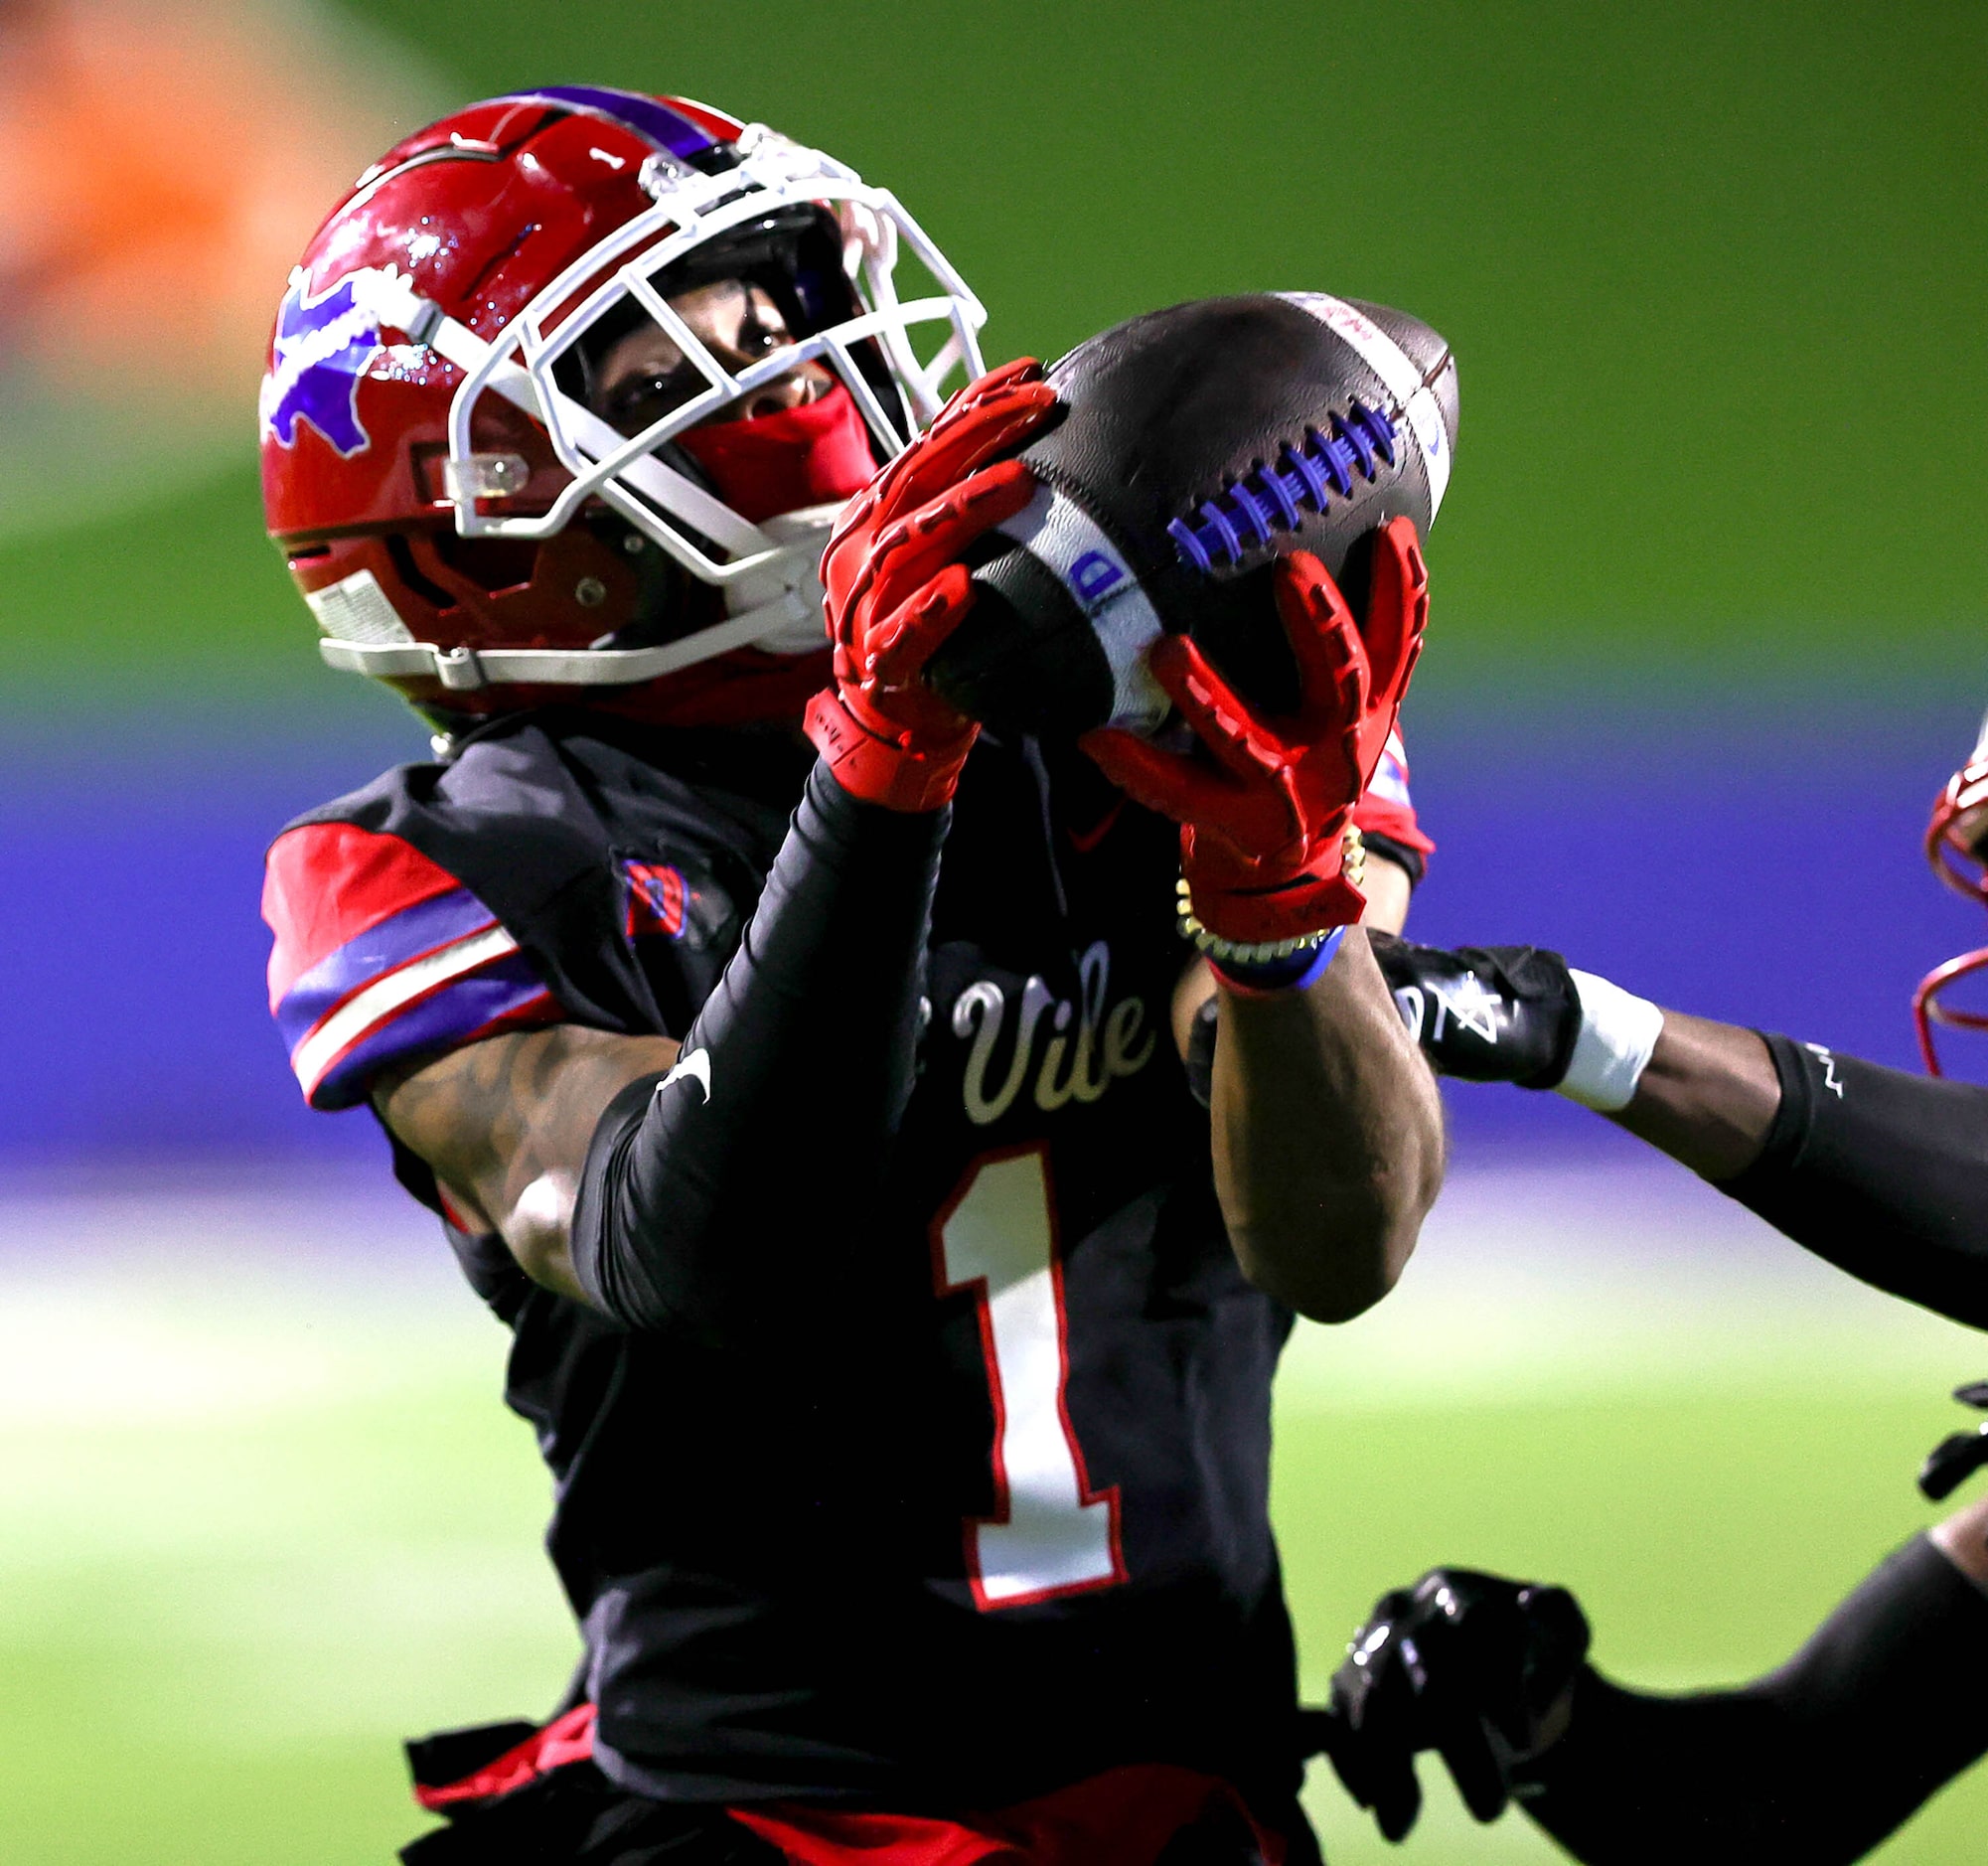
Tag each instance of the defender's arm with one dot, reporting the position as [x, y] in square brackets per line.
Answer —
[1882, 1173]
[1815, 1762]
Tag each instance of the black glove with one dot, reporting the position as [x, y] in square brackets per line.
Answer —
[1479, 1668]
[1959, 1455]
[1486, 1014]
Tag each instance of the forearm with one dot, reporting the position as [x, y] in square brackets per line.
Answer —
[1707, 1096]
[723, 1198]
[1327, 1137]
[1814, 1762]
[1878, 1172]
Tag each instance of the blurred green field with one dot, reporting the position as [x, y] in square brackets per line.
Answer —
[260, 1513]
[1713, 275]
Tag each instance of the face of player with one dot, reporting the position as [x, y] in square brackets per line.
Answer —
[644, 373]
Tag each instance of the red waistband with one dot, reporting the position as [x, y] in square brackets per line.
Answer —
[568, 1739]
[1123, 1817]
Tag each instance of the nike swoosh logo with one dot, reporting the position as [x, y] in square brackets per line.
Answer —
[692, 1066]
[1091, 837]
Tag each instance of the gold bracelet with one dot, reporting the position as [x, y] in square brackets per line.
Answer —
[1353, 865]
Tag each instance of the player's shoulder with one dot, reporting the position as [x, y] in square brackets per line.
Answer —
[520, 811]
[383, 954]
[509, 885]
[401, 912]
[506, 798]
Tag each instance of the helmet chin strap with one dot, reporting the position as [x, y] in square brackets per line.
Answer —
[776, 606]
[790, 585]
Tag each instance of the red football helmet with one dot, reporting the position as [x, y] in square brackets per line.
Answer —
[464, 521]
[1957, 844]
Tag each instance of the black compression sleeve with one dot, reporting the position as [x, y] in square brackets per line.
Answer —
[1884, 1173]
[1813, 1764]
[1408, 861]
[740, 1188]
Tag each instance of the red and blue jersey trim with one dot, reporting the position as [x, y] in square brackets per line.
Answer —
[1387, 809]
[381, 956]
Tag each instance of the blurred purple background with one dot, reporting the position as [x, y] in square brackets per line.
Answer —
[1753, 857]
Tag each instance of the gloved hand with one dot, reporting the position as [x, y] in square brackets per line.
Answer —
[1264, 802]
[1959, 1455]
[1485, 1014]
[1476, 1668]
[896, 589]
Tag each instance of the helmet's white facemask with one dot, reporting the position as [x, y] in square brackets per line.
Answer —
[896, 357]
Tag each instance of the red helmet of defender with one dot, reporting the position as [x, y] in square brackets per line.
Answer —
[460, 514]
[1955, 841]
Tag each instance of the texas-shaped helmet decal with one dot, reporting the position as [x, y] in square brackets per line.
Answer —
[322, 348]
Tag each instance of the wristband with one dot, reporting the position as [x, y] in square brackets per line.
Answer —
[1619, 1031]
[875, 771]
[1295, 972]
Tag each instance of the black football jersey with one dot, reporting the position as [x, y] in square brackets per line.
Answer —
[1020, 1533]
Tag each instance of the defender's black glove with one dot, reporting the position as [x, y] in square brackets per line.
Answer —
[1486, 1014]
[1472, 1666]
[1957, 1457]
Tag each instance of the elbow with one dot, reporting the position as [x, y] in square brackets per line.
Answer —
[1340, 1262]
[548, 1262]
[1329, 1300]
[539, 1231]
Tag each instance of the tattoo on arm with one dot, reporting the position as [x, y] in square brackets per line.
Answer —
[505, 1123]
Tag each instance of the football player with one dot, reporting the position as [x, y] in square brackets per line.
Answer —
[812, 1113]
[1877, 1171]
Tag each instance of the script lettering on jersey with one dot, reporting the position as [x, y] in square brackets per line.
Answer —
[1087, 1047]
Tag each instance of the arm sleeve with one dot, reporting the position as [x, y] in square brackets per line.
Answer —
[1883, 1173]
[1816, 1762]
[743, 1186]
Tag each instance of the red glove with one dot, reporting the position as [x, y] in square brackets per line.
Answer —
[1265, 804]
[896, 589]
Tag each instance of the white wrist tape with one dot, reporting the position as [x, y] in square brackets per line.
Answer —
[1619, 1031]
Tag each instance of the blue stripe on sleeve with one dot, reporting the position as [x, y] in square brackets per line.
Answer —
[370, 955]
[460, 1011]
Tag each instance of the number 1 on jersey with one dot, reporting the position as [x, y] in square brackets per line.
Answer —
[1049, 1534]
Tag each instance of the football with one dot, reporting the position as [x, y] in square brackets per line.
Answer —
[1192, 447]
